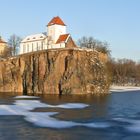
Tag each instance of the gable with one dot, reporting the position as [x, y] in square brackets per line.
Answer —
[70, 43]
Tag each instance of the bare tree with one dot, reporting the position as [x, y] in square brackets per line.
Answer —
[90, 42]
[14, 42]
[124, 72]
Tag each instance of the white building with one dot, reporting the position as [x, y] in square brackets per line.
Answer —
[55, 37]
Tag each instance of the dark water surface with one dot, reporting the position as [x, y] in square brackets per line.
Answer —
[111, 117]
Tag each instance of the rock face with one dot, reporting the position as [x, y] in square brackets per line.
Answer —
[67, 71]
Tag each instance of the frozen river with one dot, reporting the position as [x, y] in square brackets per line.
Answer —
[112, 117]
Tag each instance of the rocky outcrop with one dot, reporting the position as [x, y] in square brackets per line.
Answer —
[65, 71]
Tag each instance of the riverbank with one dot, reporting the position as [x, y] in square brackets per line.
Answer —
[123, 88]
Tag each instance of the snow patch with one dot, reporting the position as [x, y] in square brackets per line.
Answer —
[124, 88]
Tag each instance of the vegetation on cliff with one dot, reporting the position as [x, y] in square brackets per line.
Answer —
[121, 71]
[90, 42]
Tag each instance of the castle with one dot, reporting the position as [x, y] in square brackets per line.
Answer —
[54, 37]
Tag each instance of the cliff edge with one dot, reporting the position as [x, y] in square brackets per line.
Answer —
[59, 71]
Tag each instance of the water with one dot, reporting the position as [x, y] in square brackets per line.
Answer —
[111, 117]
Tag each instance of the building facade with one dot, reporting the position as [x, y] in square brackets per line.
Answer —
[3, 46]
[54, 37]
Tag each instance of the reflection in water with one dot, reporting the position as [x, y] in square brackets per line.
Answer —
[97, 106]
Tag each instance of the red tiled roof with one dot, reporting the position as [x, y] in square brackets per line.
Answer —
[56, 20]
[62, 38]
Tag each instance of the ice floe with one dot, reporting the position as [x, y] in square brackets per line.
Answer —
[46, 119]
[132, 126]
[26, 97]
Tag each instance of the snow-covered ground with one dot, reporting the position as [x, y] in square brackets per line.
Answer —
[123, 88]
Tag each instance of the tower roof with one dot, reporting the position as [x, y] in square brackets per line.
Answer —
[56, 20]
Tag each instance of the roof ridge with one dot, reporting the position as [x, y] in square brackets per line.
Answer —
[56, 20]
[62, 38]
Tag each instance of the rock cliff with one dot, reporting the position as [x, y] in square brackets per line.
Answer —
[66, 71]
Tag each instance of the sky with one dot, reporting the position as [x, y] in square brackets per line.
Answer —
[114, 21]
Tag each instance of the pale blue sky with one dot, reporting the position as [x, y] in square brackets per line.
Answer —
[114, 21]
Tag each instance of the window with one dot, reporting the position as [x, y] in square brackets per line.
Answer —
[27, 47]
[24, 47]
[42, 45]
[37, 46]
[32, 47]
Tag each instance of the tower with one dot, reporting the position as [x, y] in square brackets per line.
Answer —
[55, 28]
